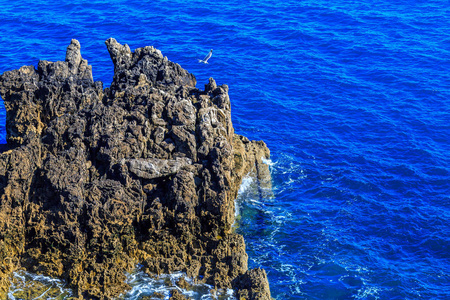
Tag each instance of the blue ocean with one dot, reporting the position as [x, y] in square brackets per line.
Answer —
[351, 97]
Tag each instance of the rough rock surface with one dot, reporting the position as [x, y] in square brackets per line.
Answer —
[94, 181]
[252, 285]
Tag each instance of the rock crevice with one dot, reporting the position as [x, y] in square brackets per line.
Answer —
[94, 181]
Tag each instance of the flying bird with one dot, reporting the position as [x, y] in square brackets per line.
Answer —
[205, 60]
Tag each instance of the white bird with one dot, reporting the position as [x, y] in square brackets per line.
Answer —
[205, 60]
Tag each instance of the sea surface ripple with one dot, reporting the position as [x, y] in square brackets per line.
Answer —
[352, 98]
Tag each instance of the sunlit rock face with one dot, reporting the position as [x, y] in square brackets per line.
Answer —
[97, 180]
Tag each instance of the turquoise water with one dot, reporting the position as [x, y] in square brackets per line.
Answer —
[352, 98]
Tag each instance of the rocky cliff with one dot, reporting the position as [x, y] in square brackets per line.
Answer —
[94, 181]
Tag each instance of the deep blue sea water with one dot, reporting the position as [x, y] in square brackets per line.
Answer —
[352, 98]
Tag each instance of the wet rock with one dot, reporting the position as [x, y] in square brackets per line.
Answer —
[182, 283]
[252, 158]
[157, 295]
[94, 181]
[253, 285]
[177, 295]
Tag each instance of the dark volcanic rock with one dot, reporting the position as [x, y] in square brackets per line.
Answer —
[94, 181]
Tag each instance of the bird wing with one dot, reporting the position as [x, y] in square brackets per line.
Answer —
[208, 56]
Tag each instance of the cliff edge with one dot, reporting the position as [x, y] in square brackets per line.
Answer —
[95, 181]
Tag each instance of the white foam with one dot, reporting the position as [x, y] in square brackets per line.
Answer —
[141, 285]
[26, 281]
[268, 162]
[246, 183]
[145, 285]
[368, 292]
[256, 201]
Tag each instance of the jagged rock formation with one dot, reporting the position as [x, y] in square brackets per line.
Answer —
[97, 180]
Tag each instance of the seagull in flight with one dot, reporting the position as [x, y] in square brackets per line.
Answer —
[205, 60]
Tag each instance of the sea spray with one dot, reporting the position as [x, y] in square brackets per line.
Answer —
[144, 285]
[26, 285]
